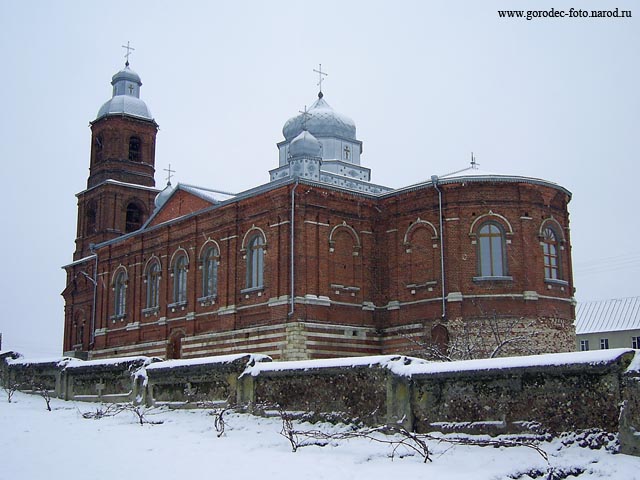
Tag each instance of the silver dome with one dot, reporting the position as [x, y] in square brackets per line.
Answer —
[305, 145]
[322, 121]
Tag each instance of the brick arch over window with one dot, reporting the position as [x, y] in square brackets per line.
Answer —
[419, 263]
[344, 256]
[344, 227]
[496, 217]
[119, 284]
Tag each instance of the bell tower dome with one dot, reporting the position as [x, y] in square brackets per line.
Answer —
[121, 186]
[123, 135]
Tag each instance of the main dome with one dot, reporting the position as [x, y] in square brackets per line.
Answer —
[322, 121]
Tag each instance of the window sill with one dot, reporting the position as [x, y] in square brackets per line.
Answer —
[502, 278]
[252, 289]
[208, 300]
[118, 317]
[150, 311]
[174, 306]
[556, 281]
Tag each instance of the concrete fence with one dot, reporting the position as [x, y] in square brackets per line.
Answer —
[552, 393]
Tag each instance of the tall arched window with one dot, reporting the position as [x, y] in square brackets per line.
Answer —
[120, 294]
[153, 284]
[180, 279]
[135, 154]
[255, 262]
[210, 272]
[550, 253]
[492, 260]
[134, 217]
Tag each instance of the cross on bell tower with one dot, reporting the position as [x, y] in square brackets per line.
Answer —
[129, 50]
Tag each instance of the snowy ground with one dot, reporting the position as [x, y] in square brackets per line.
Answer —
[61, 444]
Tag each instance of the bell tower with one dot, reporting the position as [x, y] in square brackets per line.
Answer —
[121, 187]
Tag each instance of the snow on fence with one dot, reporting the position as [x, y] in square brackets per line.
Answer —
[551, 393]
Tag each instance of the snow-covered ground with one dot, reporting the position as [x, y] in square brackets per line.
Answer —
[61, 444]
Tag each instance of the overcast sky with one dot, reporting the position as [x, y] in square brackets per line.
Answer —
[426, 82]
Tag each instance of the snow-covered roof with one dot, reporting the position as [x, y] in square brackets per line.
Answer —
[475, 174]
[612, 315]
[208, 194]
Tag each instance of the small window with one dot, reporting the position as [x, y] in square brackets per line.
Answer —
[153, 285]
[134, 218]
[180, 279]
[584, 345]
[91, 219]
[604, 343]
[135, 155]
[550, 254]
[635, 342]
[210, 272]
[491, 250]
[120, 294]
[255, 262]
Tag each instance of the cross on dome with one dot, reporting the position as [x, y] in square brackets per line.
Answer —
[305, 116]
[169, 174]
[320, 79]
[129, 50]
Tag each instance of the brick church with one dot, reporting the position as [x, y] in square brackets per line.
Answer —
[318, 262]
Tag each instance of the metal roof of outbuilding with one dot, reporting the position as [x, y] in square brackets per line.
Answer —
[608, 315]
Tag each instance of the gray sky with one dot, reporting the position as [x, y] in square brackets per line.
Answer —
[426, 82]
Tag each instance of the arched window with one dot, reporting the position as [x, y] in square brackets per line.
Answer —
[135, 154]
[120, 294]
[180, 279]
[491, 250]
[210, 272]
[255, 262]
[134, 217]
[550, 252]
[153, 284]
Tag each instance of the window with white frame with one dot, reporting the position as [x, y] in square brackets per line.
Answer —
[491, 250]
[550, 252]
[210, 272]
[604, 343]
[584, 345]
[153, 284]
[255, 262]
[180, 266]
[120, 294]
[635, 342]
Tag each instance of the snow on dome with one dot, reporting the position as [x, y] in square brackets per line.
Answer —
[125, 99]
[322, 121]
[305, 145]
[163, 196]
[125, 105]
